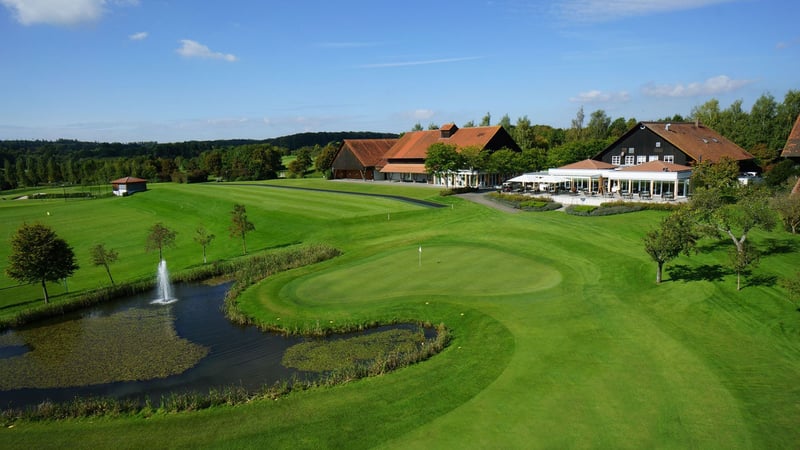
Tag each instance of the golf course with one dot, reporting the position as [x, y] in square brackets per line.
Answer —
[560, 336]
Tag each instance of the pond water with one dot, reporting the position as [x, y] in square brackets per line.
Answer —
[216, 352]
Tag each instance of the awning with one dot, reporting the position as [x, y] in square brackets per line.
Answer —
[403, 168]
[537, 178]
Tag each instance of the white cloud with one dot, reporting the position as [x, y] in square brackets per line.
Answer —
[607, 10]
[716, 85]
[596, 96]
[60, 12]
[140, 36]
[193, 49]
[419, 63]
[422, 114]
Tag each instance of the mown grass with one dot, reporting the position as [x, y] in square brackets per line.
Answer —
[559, 335]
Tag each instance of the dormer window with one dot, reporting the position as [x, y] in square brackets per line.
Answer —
[447, 130]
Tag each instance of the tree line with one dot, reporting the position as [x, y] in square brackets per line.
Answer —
[762, 131]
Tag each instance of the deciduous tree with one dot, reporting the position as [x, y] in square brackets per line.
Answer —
[675, 235]
[204, 238]
[159, 238]
[240, 226]
[101, 256]
[788, 207]
[39, 255]
[442, 159]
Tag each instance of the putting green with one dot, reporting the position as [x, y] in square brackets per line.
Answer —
[452, 270]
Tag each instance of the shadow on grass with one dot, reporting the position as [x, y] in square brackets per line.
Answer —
[25, 303]
[761, 280]
[780, 246]
[705, 272]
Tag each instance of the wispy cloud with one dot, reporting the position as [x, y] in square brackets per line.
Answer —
[608, 10]
[716, 85]
[194, 49]
[786, 44]
[61, 12]
[347, 44]
[596, 96]
[419, 63]
[140, 36]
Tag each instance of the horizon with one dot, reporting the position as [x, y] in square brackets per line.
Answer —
[143, 71]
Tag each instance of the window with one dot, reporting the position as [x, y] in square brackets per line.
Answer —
[630, 150]
[615, 160]
[669, 159]
[641, 159]
[629, 160]
[658, 144]
[653, 158]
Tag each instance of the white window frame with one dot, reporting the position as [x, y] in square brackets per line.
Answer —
[652, 158]
[669, 159]
[616, 160]
[629, 159]
[641, 159]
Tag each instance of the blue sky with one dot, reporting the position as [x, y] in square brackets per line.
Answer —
[175, 70]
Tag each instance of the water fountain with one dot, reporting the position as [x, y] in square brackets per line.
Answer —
[164, 287]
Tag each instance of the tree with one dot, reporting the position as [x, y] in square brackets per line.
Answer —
[721, 176]
[417, 127]
[442, 159]
[577, 125]
[741, 258]
[159, 238]
[788, 207]
[324, 160]
[792, 286]
[204, 238]
[103, 257]
[486, 120]
[734, 217]
[598, 125]
[240, 226]
[675, 235]
[38, 254]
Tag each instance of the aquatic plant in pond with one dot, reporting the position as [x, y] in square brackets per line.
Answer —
[75, 352]
[328, 355]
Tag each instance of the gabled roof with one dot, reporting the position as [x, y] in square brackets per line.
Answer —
[792, 149]
[369, 152]
[414, 144]
[697, 141]
[128, 180]
[656, 166]
[589, 164]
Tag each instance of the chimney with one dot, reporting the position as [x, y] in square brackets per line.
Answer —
[666, 127]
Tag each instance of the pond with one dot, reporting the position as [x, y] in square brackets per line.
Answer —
[134, 348]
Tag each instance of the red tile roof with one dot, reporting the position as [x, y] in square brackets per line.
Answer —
[656, 166]
[589, 164]
[414, 144]
[698, 142]
[792, 149]
[403, 168]
[369, 152]
[128, 180]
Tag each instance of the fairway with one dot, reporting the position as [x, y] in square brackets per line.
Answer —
[560, 336]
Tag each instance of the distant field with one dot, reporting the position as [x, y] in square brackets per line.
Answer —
[561, 337]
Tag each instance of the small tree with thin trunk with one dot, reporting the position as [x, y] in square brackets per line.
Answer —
[675, 235]
[792, 286]
[240, 226]
[39, 255]
[204, 238]
[103, 257]
[741, 259]
[788, 207]
[160, 237]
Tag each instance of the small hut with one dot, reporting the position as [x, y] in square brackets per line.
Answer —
[128, 185]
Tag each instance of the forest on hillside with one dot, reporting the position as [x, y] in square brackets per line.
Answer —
[762, 131]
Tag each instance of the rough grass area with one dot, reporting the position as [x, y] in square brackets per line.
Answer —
[560, 337]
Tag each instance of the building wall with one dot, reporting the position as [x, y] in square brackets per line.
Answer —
[643, 144]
